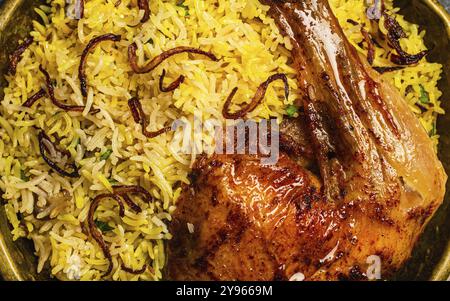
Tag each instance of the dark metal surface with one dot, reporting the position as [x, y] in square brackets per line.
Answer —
[431, 257]
[446, 4]
[432, 248]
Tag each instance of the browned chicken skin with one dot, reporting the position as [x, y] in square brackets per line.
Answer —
[378, 181]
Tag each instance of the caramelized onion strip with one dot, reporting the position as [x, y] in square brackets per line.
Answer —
[395, 33]
[51, 94]
[383, 70]
[46, 145]
[134, 272]
[96, 233]
[174, 85]
[15, 57]
[91, 45]
[125, 191]
[370, 46]
[155, 62]
[35, 97]
[139, 117]
[135, 207]
[256, 100]
[144, 5]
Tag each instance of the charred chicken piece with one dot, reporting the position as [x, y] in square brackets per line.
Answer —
[378, 182]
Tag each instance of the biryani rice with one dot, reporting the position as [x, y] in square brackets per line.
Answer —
[51, 210]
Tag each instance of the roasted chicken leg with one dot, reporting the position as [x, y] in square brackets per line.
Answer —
[376, 184]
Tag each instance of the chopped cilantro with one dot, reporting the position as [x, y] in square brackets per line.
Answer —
[433, 130]
[105, 155]
[104, 227]
[291, 110]
[23, 176]
[180, 3]
[113, 181]
[424, 96]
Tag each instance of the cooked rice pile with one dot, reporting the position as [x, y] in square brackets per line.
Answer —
[109, 147]
[50, 209]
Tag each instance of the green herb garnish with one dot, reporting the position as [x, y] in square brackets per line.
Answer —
[291, 110]
[23, 176]
[424, 96]
[75, 142]
[180, 3]
[433, 130]
[113, 181]
[102, 226]
[105, 155]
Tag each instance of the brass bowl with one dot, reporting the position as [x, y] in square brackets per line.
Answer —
[431, 256]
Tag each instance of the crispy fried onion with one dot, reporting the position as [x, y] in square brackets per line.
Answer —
[155, 62]
[124, 192]
[96, 233]
[135, 272]
[35, 97]
[92, 43]
[139, 117]
[370, 46]
[395, 33]
[383, 70]
[57, 157]
[51, 93]
[143, 5]
[15, 57]
[256, 100]
[172, 86]
[121, 194]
